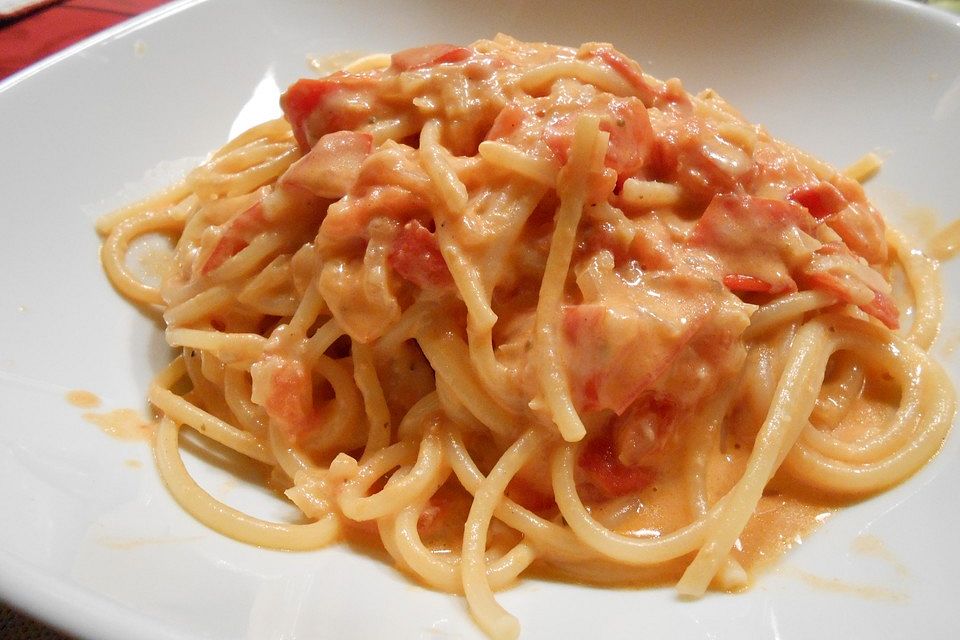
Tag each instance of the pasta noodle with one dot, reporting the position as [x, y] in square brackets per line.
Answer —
[515, 305]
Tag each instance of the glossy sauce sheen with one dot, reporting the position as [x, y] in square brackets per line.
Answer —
[945, 244]
[646, 318]
[657, 226]
[123, 424]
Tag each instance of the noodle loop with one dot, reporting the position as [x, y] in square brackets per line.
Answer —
[514, 305]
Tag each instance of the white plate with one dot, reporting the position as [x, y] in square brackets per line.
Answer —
[93, 544]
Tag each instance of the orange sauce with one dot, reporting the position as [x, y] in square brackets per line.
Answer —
[779, 523]
[124, 424]
[835, 585]
[869, 545]
[83, 399]
[135, 543]
[945, 243]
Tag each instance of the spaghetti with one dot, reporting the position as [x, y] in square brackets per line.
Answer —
[516, 305]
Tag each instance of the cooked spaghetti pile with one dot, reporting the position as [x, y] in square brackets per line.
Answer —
[516, 304]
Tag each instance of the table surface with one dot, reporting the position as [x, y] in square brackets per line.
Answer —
[32, 35]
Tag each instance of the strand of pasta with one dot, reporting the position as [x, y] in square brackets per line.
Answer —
[338, 420]
[247, 260]
[236, 394]
[449, 357]
[289, 459]
[925, 287]
[452, 194]
[443, 179]
[515, 204]
[604, 78]
[203, 305]
[706, 434]
[242, 349]
[788, 308]
[378, 414]
[317, 344]
[543, 171]
[159, 201]
[268, 293]
[113, 252]
[491, 617]
[880, 354]
[794, 399]
[922, 421]
[588, 143]
[469, 283]
[225, 519]
[193, 416]
[423, 478]
[550, 538]
[626, 549]
[255, 157]
[443, 571]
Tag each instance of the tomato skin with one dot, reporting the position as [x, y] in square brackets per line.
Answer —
[332, 166]
[603, 469]
[821, 199]
[631, 141]
[235, 237]
[300, 100]
[630, 71]
[507, 121]
[290, 399]
[882, 307]
[737, 282]
[528, 496]
[428, 56]
[315, 107]
[745, 234]
[416, 257]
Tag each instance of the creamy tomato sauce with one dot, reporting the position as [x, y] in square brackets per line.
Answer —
[547, 243]
[83, 399]
[123, 424]
[697, 218]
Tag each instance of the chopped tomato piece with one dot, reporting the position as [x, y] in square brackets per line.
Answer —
[884, 309]
[236, 237]
[416, 257]
[317, 106]
[746, 284]
[527, 495]
[631, 72]
[619, 345]
[507, 121]
[881, 306]
[603, 469]
[631, 135]
[821, 199]
[700, 161]
[290, 398]
[645, 427]
[748, 236]
[332, 166]
[428, 56]
[861, 228]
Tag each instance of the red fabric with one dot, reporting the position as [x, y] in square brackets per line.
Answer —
[35, 35]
